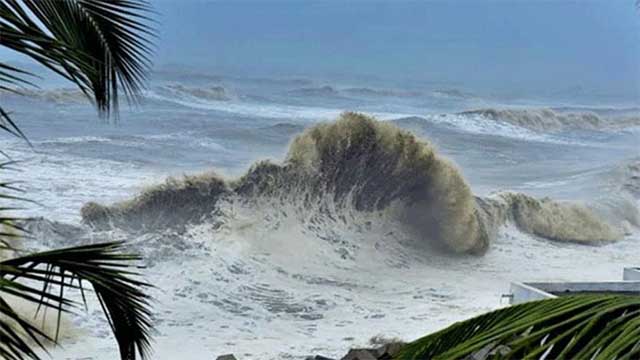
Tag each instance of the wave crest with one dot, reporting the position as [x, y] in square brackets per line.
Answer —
[554, 220]
[544, 119]
[211, 93]
[370, 165]
[362, 165]
[377, 164]
[175, 203]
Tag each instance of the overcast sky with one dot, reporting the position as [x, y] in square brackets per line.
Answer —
[509, 43]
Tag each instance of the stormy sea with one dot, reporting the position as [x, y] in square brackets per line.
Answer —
[288, 216]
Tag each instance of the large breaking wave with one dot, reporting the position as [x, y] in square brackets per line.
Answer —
[358, 165]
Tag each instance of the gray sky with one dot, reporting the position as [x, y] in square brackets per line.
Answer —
[514, 44]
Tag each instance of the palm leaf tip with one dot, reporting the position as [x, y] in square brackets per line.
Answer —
[580, 327]
[122, 297]
[100, 45]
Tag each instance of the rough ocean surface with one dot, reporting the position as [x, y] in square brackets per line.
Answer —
[317, 250]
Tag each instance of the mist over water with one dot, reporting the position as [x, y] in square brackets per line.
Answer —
[487, 146]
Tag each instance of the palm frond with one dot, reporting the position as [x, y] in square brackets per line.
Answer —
[7, 124]
[10, 195]
[43, 278]
[100, 45]
[105, 267]
[13, 76]
[572, 327]
[13, 345]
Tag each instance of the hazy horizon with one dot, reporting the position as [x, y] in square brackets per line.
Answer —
[517, 47]
[492, 46]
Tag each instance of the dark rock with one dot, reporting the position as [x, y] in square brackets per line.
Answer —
[226, 357]
[361, 354]
[385, 352]
[389, 351]
[318, 357]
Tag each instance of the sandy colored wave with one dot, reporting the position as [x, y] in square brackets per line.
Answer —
[364, 165]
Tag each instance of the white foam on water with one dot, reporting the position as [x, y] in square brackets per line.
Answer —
[273, 282]
[76, 140]
[62, 183]
[481, 125]
[266, 110]
[264, 287]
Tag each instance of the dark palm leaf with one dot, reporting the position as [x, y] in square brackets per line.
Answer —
[573, 327]
[100, 45]
[10, 227]
[42, 279]
[13, 345]
[11, 75]
[8, 125]
[45, 277]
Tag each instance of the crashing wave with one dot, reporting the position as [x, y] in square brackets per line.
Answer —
[172, 204]
[367, 166]
[546, 218]
[544, 120]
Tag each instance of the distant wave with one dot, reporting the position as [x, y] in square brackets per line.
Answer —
[330, 91]
[254, 109]
[96, 144]
[452, 94]
[260, 109]
[179, 73]
[323, 91]
[210, 93]
[547, 120]
[363, 91]
[175, 91]
[357, 165]
[480, 125]
[371, 92]
[72, 140]
[57, 96]
[272, 81]
[600, 110]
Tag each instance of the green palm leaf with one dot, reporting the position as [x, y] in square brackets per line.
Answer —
[44, 279]
[573, 327]
[100, 45]
[105, 267]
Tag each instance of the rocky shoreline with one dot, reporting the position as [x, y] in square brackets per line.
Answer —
[384, 352]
